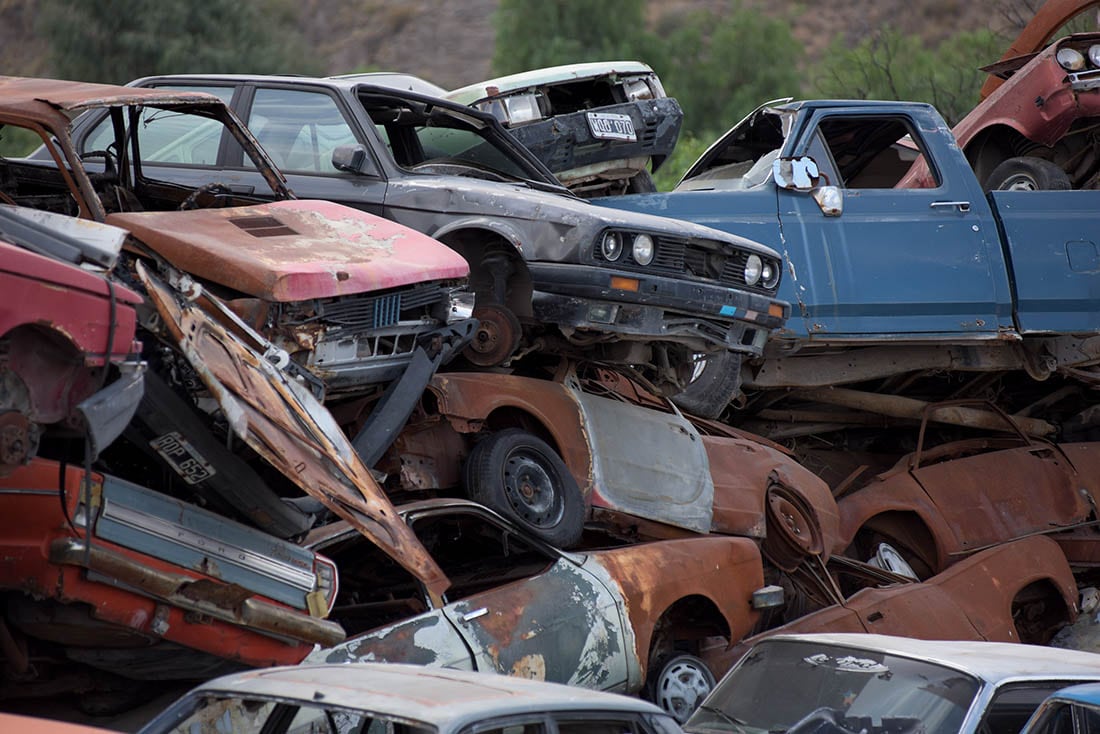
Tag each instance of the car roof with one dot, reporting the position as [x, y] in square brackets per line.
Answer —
[395, 79]
[442, 697]
[41, 99]
[36, 725]
[990, 661]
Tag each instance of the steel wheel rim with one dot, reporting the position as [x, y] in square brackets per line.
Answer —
[530, 488]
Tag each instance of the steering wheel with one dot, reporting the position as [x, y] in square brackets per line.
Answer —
[212, 189]
[110, 166]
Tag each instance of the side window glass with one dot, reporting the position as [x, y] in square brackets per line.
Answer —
[299, 130]
[168, 138]
[1090, 720]
[478, 555]
[317, 720]
[511, 727]
[871, 152]
[596, 726]
[227, 716]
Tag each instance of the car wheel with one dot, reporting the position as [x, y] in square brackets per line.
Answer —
[641, 183]
[715, 381]
[522, 477]
[1028, 173]
[679, 685]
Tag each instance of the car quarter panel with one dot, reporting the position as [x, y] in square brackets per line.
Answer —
[651, 577]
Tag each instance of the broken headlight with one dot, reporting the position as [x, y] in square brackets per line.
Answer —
[462, 306]
[514, 110]
[1070, 59]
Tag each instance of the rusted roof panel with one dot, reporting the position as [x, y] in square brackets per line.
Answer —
[39, 98]
[294, 250]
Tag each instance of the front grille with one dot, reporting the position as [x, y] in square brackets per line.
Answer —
[378, 311]
[679, 257]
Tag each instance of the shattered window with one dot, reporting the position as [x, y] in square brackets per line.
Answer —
[871, 152]
[596, 726]
[476, 554]
[299, 129]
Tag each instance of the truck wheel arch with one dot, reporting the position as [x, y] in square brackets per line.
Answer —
[1038, 611]
[908, 533]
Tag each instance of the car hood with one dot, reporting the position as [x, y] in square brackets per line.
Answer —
[440, 203]
[288, 428]
[549, 75]
[293, 250]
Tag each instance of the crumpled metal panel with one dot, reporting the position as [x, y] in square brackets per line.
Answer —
[647, 463]
[285, 425]
[972, 600]
[305, 249]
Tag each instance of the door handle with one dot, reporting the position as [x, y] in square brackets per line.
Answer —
[963, 206]
[467, 617]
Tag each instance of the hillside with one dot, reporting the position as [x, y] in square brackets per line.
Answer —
[451, 42]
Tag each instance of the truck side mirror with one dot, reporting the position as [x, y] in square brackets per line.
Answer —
[796, 174]
[350, 158]
[802, 174]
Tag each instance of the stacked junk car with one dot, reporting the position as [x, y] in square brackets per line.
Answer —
[401, 375]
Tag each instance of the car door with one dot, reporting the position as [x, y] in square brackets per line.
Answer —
[523, 608]
[179, 149]
[300, 127]
[920, 262]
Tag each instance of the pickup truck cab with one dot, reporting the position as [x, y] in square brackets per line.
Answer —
[942, 277]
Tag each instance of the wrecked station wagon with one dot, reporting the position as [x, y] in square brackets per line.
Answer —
[552, 273]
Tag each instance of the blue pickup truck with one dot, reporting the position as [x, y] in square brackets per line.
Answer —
[945, 278]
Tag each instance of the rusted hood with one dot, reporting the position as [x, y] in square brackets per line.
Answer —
[294, 250]
[286, 426]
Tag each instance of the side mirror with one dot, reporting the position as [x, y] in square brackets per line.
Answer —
[802, 174]
[796, 174]
[350, 158]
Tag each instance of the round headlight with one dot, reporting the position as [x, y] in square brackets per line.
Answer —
[753, 266]
[611, 246]
[643, 249]
[1094, 55]
[769, 275]
[1071, 59]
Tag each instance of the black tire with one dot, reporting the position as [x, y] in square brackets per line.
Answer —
[678, 684]
[641, 183]
[1028, 173]
[716, 381]
[518, 475]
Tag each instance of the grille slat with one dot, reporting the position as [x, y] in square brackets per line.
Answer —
[377, 311]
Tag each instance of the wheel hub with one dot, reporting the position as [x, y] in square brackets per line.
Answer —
[792, 530]
[497, 336]
[530, 491]
[681, 689]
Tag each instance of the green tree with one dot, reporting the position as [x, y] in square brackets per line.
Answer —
[722, 66]
[532, 35]
[890, 65]
[118, 40]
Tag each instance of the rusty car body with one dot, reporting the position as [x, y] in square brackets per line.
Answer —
[880, 684]
[69, 360]
[1036, 130]
[347, 295]
[938, 504]
[551, 453]
[131, 579]
[552, 273]
[1020, 591]
[611, 618]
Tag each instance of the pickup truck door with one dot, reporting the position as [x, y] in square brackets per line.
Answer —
[1055, 249]
[920, 263]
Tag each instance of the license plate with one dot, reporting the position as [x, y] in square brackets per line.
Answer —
[608, 126]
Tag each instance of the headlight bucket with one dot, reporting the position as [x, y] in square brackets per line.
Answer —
[1094, 55]
[643, 249]
[769, 274]
[611, 246]
[1070, 59]
[753, 269]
